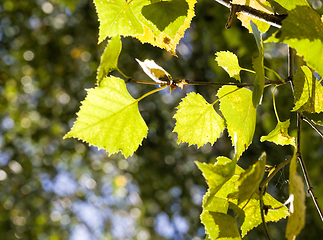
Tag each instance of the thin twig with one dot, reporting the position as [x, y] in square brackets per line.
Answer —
[274, 20]
[310, 188]
[304, 118]
[262, 206]
[277, 169]
[187, 82]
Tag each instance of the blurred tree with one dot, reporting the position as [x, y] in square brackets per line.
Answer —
[63, 189]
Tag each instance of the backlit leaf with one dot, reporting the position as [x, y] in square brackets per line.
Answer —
[219, 200]
[119, 17]
[280, 135]
[196, 121]
[229, 62]
[289, 5]
[308, 91]
[220, 226]
[249, 181]
[296, 219]
[303, 30]
[109, 58]
[109, 118]
[252, 212]
[240, 116]
[258, 65]
[165, 22]
[218, 173]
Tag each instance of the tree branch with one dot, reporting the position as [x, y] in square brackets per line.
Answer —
[312, 125]
[274, 20]
[310, 188]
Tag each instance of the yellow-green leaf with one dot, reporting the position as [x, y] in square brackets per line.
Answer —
[296, 219]
[220, 226]
[165, 22]
[119, 17]
[302, 30]
[308, 91]
[196, 121]
[249, 180]
[258, 65]
[109, 58]
[109, 118]
[229, 62]
[280, 135]
[240, 116]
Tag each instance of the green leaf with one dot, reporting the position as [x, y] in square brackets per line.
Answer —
[249, 180]
[109, 118]
[196, 121]
[164, 13]
[218, 173]
[303, 30]
[289, 5]
[308, 91]
[240, 116]
[165, 22]
[252, 217]
[296, 219]
[229, 62]
[280, 135]
[109, 58]
[219, 200]
[119, 17]
[258, 65]
[220, 226]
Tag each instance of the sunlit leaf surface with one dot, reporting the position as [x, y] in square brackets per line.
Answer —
[109, 58]
[196, 121]
[229, 62]
[280, 135]
[296, 219]
[240, 116]
[109, 118]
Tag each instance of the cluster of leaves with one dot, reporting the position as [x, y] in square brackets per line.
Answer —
[109, 117]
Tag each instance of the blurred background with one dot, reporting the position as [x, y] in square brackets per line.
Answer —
[52, 188]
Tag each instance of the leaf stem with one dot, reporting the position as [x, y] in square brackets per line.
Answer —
[276, 74]
[151, 92]
[274, 103]
[124, 75]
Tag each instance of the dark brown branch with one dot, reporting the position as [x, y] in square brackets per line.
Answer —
[274, 20]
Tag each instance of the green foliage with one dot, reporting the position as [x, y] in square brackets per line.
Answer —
[40, 88]
[309, 35]
[258, 65]
[308, 91]
[239, 192]
[229, 62]
[296, 220]
[109, 58]
[109, 118]
[280, 135]
[240, 116]
[197, 121]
